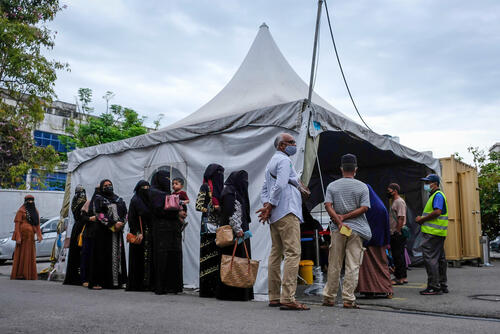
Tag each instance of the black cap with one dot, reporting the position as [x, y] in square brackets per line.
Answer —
[348, 159]
[431, 178]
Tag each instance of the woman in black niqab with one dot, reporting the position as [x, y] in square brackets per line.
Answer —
[140, 255]
[73, 270]
[167, 238]
[235, 207]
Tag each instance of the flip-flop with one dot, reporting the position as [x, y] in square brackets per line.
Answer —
[294, 307]
[394, 282]
[352, 305]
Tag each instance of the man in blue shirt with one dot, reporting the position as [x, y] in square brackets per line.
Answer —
[283, 211]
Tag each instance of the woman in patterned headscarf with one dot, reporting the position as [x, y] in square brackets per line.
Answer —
[208, 202]
[107, 261]
[73, 276]
[27, 225]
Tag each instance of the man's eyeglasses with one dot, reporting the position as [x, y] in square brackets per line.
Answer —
[291, 142]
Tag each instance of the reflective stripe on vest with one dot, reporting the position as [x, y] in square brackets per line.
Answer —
[438, 226]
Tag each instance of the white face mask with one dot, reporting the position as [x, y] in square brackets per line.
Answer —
[427, 187]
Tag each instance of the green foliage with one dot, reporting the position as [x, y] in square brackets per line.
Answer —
[116, 124]
[489, 177]
[27, 81]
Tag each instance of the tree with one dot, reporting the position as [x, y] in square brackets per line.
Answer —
[488, 167]
[116, 123]
[27, 80]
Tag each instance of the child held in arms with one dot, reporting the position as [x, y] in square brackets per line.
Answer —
[177, 186]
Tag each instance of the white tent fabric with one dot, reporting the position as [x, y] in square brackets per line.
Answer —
[235, 129]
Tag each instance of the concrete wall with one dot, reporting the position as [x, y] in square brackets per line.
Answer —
[48, 203]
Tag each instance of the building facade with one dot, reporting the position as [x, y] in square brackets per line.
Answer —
[57, 119]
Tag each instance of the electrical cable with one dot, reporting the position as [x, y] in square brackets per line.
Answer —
[340, 66]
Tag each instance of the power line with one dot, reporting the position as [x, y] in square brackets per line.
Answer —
[340, 66]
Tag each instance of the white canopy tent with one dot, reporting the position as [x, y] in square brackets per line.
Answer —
[236, 129]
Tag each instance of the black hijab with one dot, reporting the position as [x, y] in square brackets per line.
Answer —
[110, 196]
[215, 173]
[161, 181]
[140, 192]
[237, 184]
[31, 212]
[141, 197]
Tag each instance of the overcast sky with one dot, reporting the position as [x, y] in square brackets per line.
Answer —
[426, 71]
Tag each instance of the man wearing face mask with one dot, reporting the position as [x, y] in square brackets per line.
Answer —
[283, 211]
[434, 226]
[397, 219]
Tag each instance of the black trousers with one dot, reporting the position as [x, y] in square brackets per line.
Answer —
[434, 260]
[398, 255]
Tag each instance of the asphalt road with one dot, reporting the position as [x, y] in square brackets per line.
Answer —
[49, 307]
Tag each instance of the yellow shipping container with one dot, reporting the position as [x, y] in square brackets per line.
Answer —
[461, 188]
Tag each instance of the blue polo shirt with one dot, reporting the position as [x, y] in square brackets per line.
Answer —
[438, 203]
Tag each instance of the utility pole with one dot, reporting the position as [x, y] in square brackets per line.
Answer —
[315, 49]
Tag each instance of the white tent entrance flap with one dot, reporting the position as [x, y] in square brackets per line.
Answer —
[236, 129]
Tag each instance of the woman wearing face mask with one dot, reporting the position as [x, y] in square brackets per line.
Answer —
[140, 254]
[107, 262]
[27, 224]
[73, 276]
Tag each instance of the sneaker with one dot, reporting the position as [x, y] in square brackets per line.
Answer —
[444, 289]
[431, 292]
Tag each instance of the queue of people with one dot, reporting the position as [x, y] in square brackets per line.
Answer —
[361, 231]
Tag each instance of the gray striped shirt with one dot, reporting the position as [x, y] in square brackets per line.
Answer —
[346, 195]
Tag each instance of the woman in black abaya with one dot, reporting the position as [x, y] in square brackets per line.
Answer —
[208, 203]
[73, 275]
[235, 212]
[167, 238]
[140, 255]
[107, 262]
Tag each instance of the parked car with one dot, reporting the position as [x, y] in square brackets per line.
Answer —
[495, 245]
[43, 249]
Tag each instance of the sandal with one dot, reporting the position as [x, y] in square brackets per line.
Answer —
[395, 282]
[274, 303]
[293, 306]
[404, 280]
[351, 305]
[97, 287]
[328, 303]
[390, 295]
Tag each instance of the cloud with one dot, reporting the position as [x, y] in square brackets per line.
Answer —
[408, 63]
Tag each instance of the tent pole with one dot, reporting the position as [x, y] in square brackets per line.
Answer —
[315, 47]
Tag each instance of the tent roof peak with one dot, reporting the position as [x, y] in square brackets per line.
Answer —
[264, 79]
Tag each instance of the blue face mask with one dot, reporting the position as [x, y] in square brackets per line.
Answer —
[290, 150]
[427, 187]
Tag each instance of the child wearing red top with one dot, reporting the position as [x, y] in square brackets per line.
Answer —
[177, 186]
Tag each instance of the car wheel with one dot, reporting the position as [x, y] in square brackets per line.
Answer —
[2, 261]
